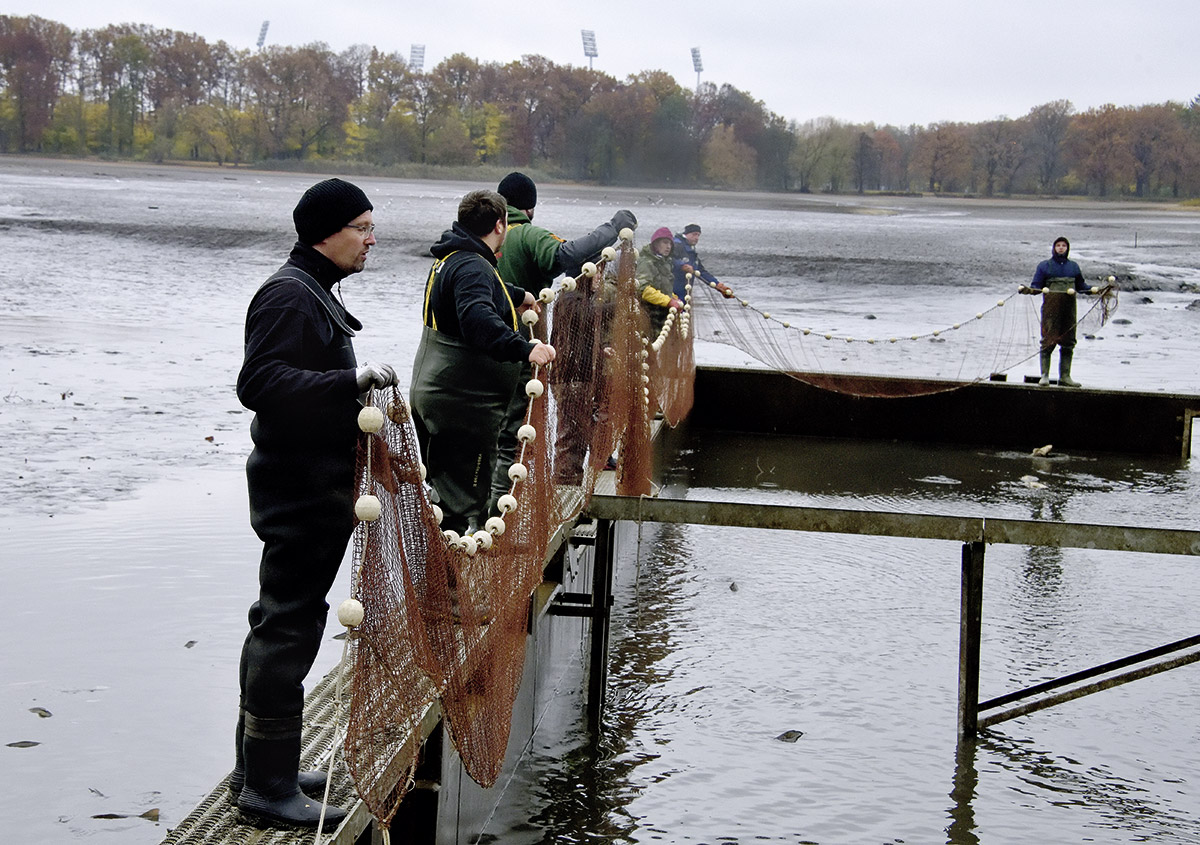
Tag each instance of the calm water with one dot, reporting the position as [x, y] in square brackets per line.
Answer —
[128, 563]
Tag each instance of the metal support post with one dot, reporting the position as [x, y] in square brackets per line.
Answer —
[969, 629]
[602, 575]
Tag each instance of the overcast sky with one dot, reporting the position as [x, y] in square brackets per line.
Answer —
[887, 61]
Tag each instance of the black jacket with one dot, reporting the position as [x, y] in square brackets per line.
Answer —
[298, 378]
[465, 297]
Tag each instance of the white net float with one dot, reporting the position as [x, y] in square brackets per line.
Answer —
[370, 419]
[350, 613]
[368, 508]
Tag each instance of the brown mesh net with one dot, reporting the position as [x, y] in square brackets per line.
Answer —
[446, 617]
[894, 360]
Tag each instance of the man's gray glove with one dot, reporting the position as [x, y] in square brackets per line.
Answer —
[371, 375]
[624, 219]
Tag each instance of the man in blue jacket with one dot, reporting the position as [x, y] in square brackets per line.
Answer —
[1058, 279]
[685, 260]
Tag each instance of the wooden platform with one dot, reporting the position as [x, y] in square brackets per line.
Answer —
[994, 414]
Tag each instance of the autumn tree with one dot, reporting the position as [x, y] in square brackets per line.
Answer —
[1156, 139]
[300, 96]
[33, 56]
[727, 162]
[999, 153]
[1048, 125]
[1099, 143]
[866, 162]
[813, 143]
[942, 152]
[893, 159]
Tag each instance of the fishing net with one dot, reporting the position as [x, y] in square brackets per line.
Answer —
[445, 618]
[939, 347]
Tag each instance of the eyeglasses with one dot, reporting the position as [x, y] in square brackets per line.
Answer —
[364, 229]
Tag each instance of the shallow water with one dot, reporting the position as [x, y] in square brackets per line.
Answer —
[128, 562]
[725, 639]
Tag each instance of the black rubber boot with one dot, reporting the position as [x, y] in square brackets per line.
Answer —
[271, 795]
[1064, 368]
[312, 783]
[1045, 379]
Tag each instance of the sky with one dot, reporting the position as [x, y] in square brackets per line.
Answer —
[896, 62]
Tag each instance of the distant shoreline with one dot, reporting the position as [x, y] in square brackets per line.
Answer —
[491, 174]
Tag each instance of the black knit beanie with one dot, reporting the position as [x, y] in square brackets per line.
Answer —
[326, 207]
[519, 190]
[691, 227]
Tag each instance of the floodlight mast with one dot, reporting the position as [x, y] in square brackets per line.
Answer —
[262, 34]
[697, 65]
[416, 58]
[589, 45]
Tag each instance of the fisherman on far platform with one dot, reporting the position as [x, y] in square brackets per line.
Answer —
[1058, 280]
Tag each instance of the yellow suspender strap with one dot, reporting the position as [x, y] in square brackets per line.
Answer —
[512, 308]
[431, 319]
[426, 317]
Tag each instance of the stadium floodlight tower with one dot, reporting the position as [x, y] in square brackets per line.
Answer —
[589, 45]
[697, 65]
[262, 34]
[416, 58]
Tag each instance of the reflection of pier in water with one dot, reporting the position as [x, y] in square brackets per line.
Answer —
[573, 605]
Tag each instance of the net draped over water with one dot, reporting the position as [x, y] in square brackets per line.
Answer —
[446, 617]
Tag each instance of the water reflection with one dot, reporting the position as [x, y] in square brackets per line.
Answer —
[1065, 786]
[961, 830]
[588, 791]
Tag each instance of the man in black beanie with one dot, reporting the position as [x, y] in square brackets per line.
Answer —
[302, 381]
[685, 260]
[532, 258]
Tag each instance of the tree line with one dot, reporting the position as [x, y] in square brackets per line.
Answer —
[137, 92]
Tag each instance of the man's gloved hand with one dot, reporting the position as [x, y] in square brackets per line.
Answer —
[724, 289]
[624, 219]
[1024, 289]
[687, 268]
[372, 374]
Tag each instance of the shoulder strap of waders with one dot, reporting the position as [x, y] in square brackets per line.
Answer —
[430, 319]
